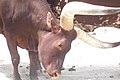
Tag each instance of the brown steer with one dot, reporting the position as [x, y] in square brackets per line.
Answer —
[30, 24]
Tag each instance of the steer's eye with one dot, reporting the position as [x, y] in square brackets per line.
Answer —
[60, 45]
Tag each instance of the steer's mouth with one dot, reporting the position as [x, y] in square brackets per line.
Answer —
[53, 76]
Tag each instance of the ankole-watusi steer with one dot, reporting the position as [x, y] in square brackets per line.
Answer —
[30, 24]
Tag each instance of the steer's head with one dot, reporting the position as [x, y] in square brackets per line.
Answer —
[53, 46]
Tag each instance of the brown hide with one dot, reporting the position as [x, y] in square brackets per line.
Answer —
[24, 23]
[53, 2]
[16, 26]
[31, 25]
[111, 3]
[1, 26]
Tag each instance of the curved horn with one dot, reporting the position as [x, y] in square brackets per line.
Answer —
[80, 8]
[82, 35]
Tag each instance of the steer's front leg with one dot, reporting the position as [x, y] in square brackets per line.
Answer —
[34, 65]
[14, 55]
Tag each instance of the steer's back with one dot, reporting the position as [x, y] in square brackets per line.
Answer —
[14, 15]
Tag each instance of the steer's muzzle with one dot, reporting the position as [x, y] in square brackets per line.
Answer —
[54, 75]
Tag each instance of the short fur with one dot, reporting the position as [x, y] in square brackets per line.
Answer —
[24, 23]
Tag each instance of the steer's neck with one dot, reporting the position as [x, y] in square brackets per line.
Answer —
[40, 8]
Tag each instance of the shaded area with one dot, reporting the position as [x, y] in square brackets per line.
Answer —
[92, 73]
[6, 71]
[109, 72]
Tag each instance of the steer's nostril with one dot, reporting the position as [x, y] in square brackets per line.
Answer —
[55, 76]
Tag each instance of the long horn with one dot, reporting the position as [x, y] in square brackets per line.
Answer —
[82, 35]
[80, 8]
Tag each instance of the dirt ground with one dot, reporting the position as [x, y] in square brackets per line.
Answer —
[89, 63]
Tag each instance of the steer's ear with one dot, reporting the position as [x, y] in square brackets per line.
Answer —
[51, 23]
[49, 19]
